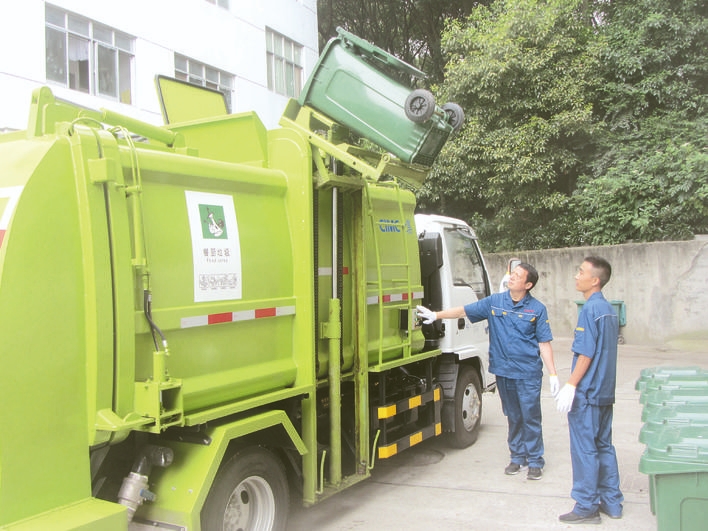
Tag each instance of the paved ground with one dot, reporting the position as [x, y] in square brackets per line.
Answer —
[433, 487]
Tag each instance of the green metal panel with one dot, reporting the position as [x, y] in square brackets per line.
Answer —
[46, 331]
[393, 274]
[238, 138]
[182, 488]
[182, 101]
[170, 282]
[390, 236]
[290, 153]
[87, 515]
[89, 220]
[220, 348]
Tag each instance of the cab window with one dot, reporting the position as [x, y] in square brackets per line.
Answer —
[466, 262]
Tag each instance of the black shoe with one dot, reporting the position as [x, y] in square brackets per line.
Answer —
[615, 516]
[534, 473]
[575, 518]
[512, 469]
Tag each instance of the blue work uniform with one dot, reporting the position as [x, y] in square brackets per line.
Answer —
[595, 472]
[515, 330]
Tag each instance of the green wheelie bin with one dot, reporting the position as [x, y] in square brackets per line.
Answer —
[357, 85]
[669, 378]
[675, 431]
[676, 460]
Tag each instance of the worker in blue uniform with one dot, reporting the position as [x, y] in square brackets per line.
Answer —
[588, 399]
[519, 344]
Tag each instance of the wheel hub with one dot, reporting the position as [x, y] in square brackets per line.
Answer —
[470, 407]
[250, 507]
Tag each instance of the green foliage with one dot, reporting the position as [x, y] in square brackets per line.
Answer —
[653, 186]
[585, 119]
[654, 59]
[524, 73]
[650, 180]
[585, 122]
[409, 29]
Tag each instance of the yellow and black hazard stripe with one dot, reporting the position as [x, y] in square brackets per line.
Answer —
[433, 430]
[410, 440]
[391, 410]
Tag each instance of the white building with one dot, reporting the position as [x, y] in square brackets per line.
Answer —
[106, 53]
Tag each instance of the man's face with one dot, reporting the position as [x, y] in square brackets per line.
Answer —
[517, 279]
[585, 279]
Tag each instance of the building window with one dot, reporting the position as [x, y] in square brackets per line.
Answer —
[87, 56]
[203, 75]
[284, 64]
[220, 3]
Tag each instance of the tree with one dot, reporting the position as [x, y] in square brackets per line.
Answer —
[525, 71]
[651, 181]
[653, 185]
[408, 29]
[585, 118]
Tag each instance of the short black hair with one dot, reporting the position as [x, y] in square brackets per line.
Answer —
[531, 273]
[602, 268]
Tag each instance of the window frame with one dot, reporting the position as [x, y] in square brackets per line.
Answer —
[99, 42]
[284, 64]
[466, 262]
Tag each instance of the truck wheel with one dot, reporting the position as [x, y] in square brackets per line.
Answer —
[420, 106]
[468, 407]
[455, 115]
[250, 493]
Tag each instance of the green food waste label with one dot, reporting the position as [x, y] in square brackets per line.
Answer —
[216, 249]
[213, 225]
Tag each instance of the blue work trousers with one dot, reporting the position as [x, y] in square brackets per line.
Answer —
[595, 473]
[521, 403]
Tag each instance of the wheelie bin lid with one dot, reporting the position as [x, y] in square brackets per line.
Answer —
[648, 376]
[367, 49]
[669, 395]
[680, 416]
[696, 378]
[673, 450]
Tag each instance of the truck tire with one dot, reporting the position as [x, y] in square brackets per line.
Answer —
[468, 407]
[420, 106]
[250, 493]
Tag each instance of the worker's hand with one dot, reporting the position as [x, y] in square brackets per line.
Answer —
[564, 399]
[554, 384]
[426, 315]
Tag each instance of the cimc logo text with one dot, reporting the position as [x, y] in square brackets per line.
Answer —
[393, 225]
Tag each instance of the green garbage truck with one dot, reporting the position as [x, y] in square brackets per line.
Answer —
[204, 322]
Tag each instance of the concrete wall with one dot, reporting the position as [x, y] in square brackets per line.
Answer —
[664, 286]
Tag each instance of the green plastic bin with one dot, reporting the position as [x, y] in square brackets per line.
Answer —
[354, 83]
[680, 416]
[657, 399]
[676, 460]
[653, 378]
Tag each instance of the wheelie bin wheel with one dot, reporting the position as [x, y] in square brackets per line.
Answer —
[420, 105]
[456, 116]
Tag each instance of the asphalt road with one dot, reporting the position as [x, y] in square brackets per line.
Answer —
[434, 487]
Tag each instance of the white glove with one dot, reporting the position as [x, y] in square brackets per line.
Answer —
[554, 384]
[426, 315]
[564, 399]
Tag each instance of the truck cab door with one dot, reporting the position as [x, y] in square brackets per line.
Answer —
[465, 280]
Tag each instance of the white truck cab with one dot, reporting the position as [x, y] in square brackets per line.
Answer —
[454, 274]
